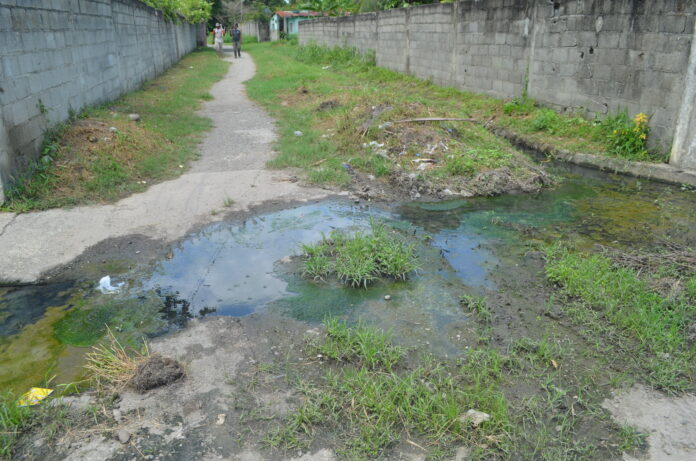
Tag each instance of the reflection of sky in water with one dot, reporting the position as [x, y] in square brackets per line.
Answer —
[462, 250]
[230, 267]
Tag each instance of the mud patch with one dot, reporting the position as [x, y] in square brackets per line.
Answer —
[155, 372]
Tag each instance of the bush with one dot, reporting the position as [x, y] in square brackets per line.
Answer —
[626, 137]
[545, 120]
[519, 106]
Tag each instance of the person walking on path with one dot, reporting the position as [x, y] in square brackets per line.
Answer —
[236, 35]
[218, 36]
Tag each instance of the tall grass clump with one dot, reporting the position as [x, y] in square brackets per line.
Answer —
[336, 57]
[111, 366]
[361, 258]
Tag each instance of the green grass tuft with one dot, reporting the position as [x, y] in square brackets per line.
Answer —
[359, 259]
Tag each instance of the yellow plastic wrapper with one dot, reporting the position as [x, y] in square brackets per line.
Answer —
[33, 396]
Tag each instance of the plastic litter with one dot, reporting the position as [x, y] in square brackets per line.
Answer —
[33, 396]
[106, 287]
[298, 133]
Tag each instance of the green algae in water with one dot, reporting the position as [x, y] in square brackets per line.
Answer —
[129, 319]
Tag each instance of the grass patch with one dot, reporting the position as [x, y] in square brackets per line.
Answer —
[344, 106]
[367, 410]
[85, 161]
[658, 324]
[361, 344]
[13, 421]
[360, 259]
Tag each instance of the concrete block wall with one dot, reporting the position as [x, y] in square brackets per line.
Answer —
[599, 56]
[59, 56]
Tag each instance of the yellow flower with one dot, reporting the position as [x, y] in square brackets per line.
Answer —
[643, 136]
[640, 118]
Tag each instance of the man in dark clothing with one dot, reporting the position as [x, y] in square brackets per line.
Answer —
[236, 35]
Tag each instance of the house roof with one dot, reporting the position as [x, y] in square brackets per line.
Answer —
[296, 13]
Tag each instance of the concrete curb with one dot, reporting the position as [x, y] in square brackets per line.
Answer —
[661, 172]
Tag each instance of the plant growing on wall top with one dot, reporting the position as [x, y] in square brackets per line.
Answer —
[194, 11]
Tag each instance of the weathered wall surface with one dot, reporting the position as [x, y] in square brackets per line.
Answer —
[598, 55]
[58, 56]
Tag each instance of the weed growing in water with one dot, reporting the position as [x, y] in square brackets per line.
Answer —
[359, 259]
[478, 305]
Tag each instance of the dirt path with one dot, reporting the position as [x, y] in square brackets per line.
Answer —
[231, 167]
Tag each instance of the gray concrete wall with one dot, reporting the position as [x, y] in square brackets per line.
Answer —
[601, 56]
[58, 56]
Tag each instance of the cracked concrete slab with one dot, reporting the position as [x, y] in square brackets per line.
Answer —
[233, 155]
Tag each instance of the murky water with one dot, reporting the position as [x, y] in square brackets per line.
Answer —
[233, 268]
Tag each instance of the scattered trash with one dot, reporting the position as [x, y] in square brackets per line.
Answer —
[298, 133]
[221, 419]
[113, 129]
[33, 396]
[326, 67]
[106, 287]
[123, 436]
[387, 297]
[554, 363]
[474, 417]
[384, 125]
[346, 166]
[134, 117]
[181, 166]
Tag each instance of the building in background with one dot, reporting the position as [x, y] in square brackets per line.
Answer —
[285, 24]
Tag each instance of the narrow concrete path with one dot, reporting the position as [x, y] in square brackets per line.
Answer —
[231, 167]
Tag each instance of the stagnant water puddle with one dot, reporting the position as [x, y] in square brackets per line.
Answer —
[466, 246]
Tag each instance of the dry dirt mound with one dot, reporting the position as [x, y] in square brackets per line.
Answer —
[155, 372]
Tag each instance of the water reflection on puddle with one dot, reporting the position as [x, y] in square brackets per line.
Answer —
[231, 268]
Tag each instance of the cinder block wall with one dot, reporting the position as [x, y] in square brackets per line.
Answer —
[597, 55]
[58, 56]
